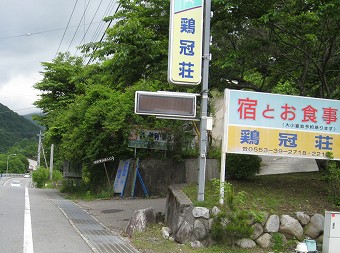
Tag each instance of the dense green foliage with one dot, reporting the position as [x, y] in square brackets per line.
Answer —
[332, 176]
[286, 47]
[242, 166]
[25, 147]
[14, 128]
[40, 177]
[232, 222]
[231, 226]
[17, 155]
[17, 163]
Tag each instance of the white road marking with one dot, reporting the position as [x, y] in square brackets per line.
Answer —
[28, 240]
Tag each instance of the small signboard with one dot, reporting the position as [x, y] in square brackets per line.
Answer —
[281, 125]
[121, 176]
[149, 139]
[185, 45]
[167, 104]
[103, 160]
[72, 169]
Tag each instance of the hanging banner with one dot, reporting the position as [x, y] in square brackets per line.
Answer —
[281, 125]
[185, 44]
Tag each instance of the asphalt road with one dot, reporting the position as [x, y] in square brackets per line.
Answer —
[30, 222]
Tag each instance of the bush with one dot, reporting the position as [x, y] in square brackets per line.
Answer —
[332, 176]
[40, 177]
[242, 166]
[57, 175]
[232, 225]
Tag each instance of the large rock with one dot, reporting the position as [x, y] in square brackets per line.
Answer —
[140, 220]
[166, 232]
[273, 224]
[215, 211]
[264, 240]
[257, 231]
[265, 217]
[185, 233]
[200, 230]
[315, 227]
[245, 243]
[178, 209]
[201, 212]
[291, 226]
[303, 218]
[196, 245]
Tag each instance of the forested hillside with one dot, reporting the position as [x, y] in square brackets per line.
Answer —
[14, 128]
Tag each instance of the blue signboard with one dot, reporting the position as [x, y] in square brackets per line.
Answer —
[121, 176]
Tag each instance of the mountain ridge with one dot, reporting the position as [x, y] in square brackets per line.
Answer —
[14, 127]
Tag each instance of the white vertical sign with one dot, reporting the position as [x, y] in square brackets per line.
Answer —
[185, 45]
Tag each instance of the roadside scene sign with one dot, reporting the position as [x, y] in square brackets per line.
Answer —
[149, 139]
[167, 104]
[281, 125]
[185, 44]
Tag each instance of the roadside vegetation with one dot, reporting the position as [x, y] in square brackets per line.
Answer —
[88, 100]
[275, 194]
[40, 178]
[248, 195]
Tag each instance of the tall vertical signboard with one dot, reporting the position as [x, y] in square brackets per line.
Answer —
[185, 45]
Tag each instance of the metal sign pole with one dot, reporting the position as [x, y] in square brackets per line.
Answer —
[204, 101]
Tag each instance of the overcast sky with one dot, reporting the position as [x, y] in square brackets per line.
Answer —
[31, 32]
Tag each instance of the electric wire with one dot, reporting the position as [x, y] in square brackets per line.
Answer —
[101, 25]
[69, 20]
[40, 32]
[101, 39]
[78, 26]
[83, 39]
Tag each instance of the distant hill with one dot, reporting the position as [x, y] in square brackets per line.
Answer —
[14, 128]
[29, 118]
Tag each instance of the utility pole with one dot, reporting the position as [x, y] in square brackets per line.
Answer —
[39, 149]
[51, 161]
[204, 101]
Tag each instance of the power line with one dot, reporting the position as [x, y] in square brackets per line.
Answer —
[100, 26]
[101, 39]
[66, 27]
[78, 26]
[46, 31]
[83, 39]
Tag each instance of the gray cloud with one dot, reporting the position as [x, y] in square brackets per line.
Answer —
[31, 32]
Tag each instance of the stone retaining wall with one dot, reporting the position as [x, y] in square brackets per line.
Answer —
[189, 224]
[159, 174]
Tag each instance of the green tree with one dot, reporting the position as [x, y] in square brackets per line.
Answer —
[287, 47]
[16, 163]
[258, 45]
[60, 85]
[136, 47]
[40, 177]
[26, 147]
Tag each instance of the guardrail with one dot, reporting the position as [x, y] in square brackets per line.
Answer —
[11, 175]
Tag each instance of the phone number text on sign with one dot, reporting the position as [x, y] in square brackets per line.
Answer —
[266, 151]
[279, 142]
